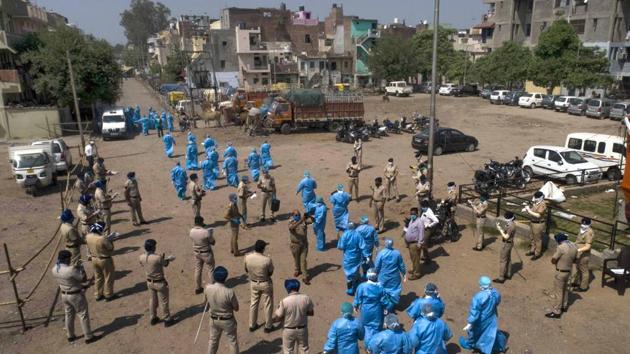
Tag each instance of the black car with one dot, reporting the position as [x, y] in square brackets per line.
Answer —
[511, 99]
[446, 140]
[465, 90]
[548, 101]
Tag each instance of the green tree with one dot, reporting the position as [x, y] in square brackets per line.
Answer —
[176, 63]
[423, 42]
[507, 65]
[394, 58]
[590, 69]
[143, 19]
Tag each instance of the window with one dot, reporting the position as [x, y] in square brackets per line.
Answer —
[530, 4]
[311, 64]
[539, 153]
[498, 29]
[601, 147]
[255, 80]
[554, 156]
[594, 24]
[307, 38]
[333, 65]
[543, 26]
[346, 65]
[560, 3]
[578, 26]
[575, 144]
[222, 63]
[528, 30]
[224, 43]
[321, 65]
[303, 65]
[589, 145]
[265, 81]
[619, 149]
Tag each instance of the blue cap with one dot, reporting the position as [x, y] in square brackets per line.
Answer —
[97, 227]
[66, 215]
[561, 237]
[292, 285]
[430, 289]
[485, 281]
[346, 308]
[245, 179]
[99, 184]
[149, 245]
[220, 274]
[85, 198]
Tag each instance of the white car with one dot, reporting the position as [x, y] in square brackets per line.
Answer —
[531, 100]
[561, 104]
[557, 162]
[446, 89]
[114, 124]
[398, 88]
[496, 97]
[61, 153]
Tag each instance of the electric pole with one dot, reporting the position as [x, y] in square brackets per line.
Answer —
[436, 19]
[76, 101]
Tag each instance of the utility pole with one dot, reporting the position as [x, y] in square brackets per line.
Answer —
[436, 19]
[76, 101]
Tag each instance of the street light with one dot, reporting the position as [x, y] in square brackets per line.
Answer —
[436, 19]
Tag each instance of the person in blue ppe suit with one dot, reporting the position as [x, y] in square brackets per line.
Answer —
[169, 122]
[391, 268]
[163, 119]
[319, 223]
[169, 143]
[265, 153]
[431, 296]
[307, 187]
[230, 166]
[392, 340]
[370, 301]
[191, 154]
[191, 137]
[344, 334]
[144, 122]
[213, 156]
[179, 179]
[370, 237]
[482, 328]
[209, 174]
[230, 151]
[352, 244]
[429, 333]
[253, 163]
[208, 143]
[339, 201]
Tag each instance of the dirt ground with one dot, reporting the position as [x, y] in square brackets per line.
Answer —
[503, 132]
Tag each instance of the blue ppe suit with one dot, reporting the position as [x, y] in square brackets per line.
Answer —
[319, 225]
[230, 165]
[207, 144]
[191, 156]
[163, 119]
[214, 157]
[415, 309]
[484, 334]
[389, 265]
[179, 178]
[209, 175]
[307, 186]
[371, 300]
[370, 237]
[389, 342]
[265, 154]
[344, 336]
[169, 122]
[352, 244]
[428, 335]
[339, 201]
[169, 143]
[144, 121]
[191, 138]
[230, 151]
[253, 163]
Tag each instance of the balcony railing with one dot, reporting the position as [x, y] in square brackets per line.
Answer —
[257, 68]
[9, 75]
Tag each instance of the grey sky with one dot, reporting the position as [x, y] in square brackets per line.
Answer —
[101, 17]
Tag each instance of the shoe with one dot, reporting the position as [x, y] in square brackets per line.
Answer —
[198, 291]
[580, 290]
[93, 339]
[154, 321]
[530, 253]
[136, 224]
[564, 309]
[306, 281]
[476, 249]
[100, 298]
[112, 298]
[253, 328]
[143, 222]
[413, 277]
[536, 257]
[297, 274]
[553, 315]
[262, 219]
[269, 330]
[508, 277]
[169, 322]
[237, 254]
[273, 219]
[497, 280]
[428, 261]
[72, 339]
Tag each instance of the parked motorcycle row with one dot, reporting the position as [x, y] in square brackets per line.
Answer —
[496, 176]
[349, 132]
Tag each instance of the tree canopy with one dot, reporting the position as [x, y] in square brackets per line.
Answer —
[507, 65]
[394, 58]
[143, 19]
[423, 41]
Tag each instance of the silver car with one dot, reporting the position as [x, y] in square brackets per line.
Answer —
[599, 108]
[620, 110]
[577, 106]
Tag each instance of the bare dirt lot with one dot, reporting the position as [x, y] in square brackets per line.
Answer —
[594, 323]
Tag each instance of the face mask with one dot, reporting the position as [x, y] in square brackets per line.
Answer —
[424, 209]
[584, 228]
[450, 189]
[413, 217]
[390, 163]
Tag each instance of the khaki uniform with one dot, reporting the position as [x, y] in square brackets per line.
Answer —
[583, 258]
[294, 309]
[353, 179]
[73, 241]
[101, 250]
[537, 228]
[202, 252]
[422, 191]
[480, 209]
[82, 186]
[222, 303]
[505, 257]
[132, 195]
[260, 268]
[234, 218]
[358, 152]
[196, 194]
[391, 178]
[86, 217]
[156, 283]
[104, 205]
[243, 194]
[298, 242]
[564, 257]
[100, 172]
[73, 298]
[378, 205]
[268, 188]
[451, 197]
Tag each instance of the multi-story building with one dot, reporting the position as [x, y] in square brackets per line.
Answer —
[253, 59]
[364, 35]
[55, 20]
[325, 69]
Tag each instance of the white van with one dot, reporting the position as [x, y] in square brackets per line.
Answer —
[606, 151]
[115, 124]
[33, 167]
[557, 162]
[398, 88]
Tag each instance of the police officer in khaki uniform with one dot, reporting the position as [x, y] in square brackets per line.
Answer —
[377, 201]
[243, 192]
[451, 197]
[101, 250]
[100, 171]
[203, 240]
[353, 169]
[358, 151]
[583, 242]
[222, 303]
[294, 311]
[423, 188]
[235, 219]
[197, 193]
[267, 185]
[71, 236]
[134, 200]
[156, 282]
[70, 279]
[86, 214]
[538, 213]
[298, 243]
[391, 176]
[103, 204]
[507, 238]
[479, 209]
[259, 268]
[563, 259]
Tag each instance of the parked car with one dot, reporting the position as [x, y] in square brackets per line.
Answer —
[620, 110]
[599, 108]
[605, 151]
[115, 125]
[60, 153]
[561, 104]
[446, 140]
[548, 101]
[446, 89]
[560, 163]
[398, 88]
[577, 106]
[33, 166]
[531, 100]
[485, 93]
[465, 90]
[512, 98]
[496, 97]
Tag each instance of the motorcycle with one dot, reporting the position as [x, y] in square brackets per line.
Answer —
[496, 175]
[348, 133]
[447, 228]
[392, 127]
[406, 126]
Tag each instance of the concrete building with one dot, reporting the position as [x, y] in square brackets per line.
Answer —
[55, 20]
[223, 58]
[325, 69]
[364, 35]
[253, 59]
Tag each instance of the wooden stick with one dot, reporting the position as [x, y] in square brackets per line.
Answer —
[15, 291]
